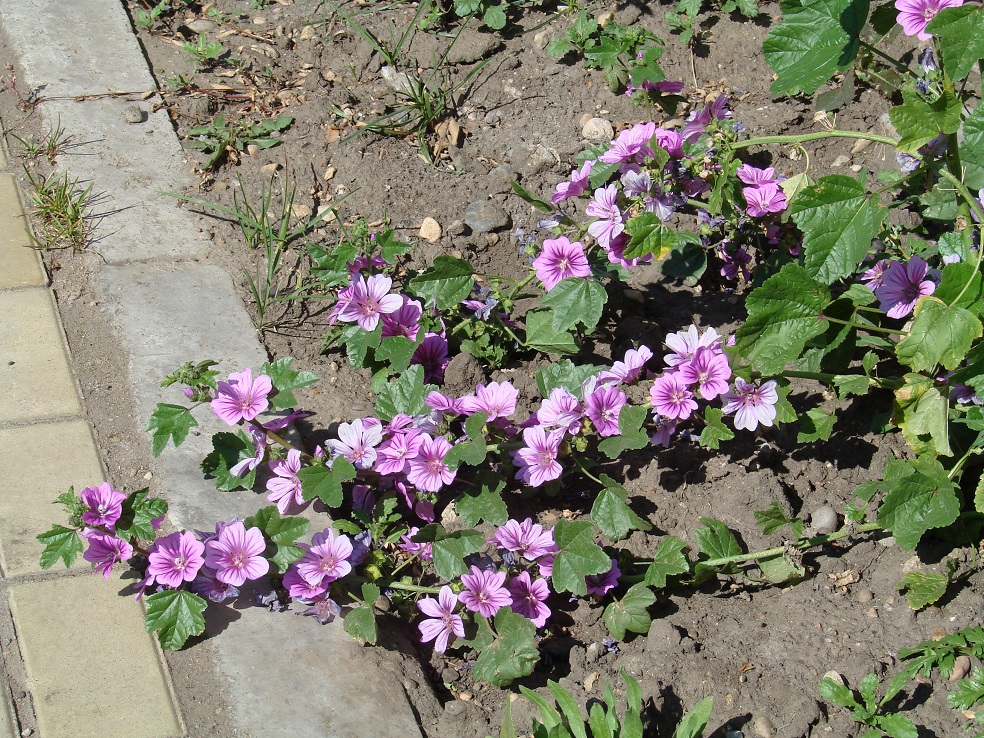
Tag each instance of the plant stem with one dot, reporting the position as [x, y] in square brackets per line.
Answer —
[525, 281]
[277, 438]
[883, 383]
[584, 470]
[976, 207]
[863, 327]
[802, 545]
[420, 589]
[890, 59]
[804, 137]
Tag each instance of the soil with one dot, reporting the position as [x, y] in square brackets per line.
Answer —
[759, 651]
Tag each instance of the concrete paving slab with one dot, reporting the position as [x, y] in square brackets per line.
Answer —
[130, 166]
[328, 688]
[21, 265]
[35, 371]
[8, 727]
[29, 512]
[92, 670]
[77, 48]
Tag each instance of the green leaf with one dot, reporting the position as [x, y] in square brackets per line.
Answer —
[838, 220]
[715, 430]
[579, 556]
[495, 17]
[445, 284]
[716, 541]
[939, 335]
[541, 335]
[649, 235]
[960, 33]
[816, 425]
[694, 722]
[613, 516]
[175, 615]
[326, 483]
[360, 623]
[631, 434]
[283, 532]
[516, 186]
[473, 451]
[687, 263]
[780, 570]
[566, 374]
[569, 707]
[286, 380]
[397, 351]
[773, 519]
[783, 314]
[897, 725]
[968, 691]
[813, 41]
[484, 503]
[972, 149]
[918, 499]
[939, 204]
[919, 121]
[169, 422]
[851, 384]
[450, 551]
[137, 518]
[668, 560]
[405, 394]
[574, 301]
[513, 653]
[631, 613]
[358, 342]
[955, 276]
[228, 449]
[922, 590]
[838, 694]
[59, 543]
[924, 415]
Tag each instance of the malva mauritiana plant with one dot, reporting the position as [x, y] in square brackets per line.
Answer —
[835, 291]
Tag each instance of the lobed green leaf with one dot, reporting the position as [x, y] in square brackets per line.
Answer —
[175, 615]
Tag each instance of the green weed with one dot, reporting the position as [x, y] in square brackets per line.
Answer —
[52, 143]
[61, 210]
[203, 51]
[221, 137]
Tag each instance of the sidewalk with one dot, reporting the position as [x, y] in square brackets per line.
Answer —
[84, 647]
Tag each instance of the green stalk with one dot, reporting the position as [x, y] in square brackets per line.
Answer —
[804, 137]
[863, 327]
[417, 588]
[890, 59]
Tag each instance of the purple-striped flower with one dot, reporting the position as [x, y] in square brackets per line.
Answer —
[404, 321]
[684, 344]
[915, 15]
[105, 505]
[559, 260]
[369, 300]
[104, 551]
[709, 370]
[326, 559]
[576, 186]
[242, 397]
[902, 285]
[357, 442]
[395, 453]
[751, 404]
[484, 592]
[600, 584]
[632, 144]
[671, 397]
[300, 588]
[423, 551]
[764, 199]
[603, 407]
[629, 368]
[604, 207]
[432, 354]
[285, 487]
[236, 554]
[537, 460]
[560, 410]
[528, 539]
[529, 598]
[497, 400]
[428, 472]
[175, 559]
[442, 624]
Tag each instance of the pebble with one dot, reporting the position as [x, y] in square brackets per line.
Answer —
[911, 564]
[841, 160]
[763, 727]
[872, 613]
[300, 211]
[430, 230]
[856, 168]
[133, 114]
[860, 145]
[961, 668]
[396, 81]
[259, 20]
[252, 149]
[834, 677]
[865, 596]
[634, 295]
[450, 675]
[589, 681]
[270, 168]
[593, 653]
[200, 25]
[483, 217]
[824, 520]
[27, 732]
[597, 129]
[308, 33]
[542, 39]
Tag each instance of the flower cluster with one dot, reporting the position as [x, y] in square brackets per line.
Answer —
[899, 286]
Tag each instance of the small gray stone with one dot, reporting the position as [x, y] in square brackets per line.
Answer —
[200, 25]
[592, 654]
[824, 520]
[597, 129]
[133, 114]
[484, 217]
[396, 81]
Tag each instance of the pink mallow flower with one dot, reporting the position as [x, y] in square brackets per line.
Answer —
[175, 559]
[300, 588]
[629, 368]
[537, 460]
[104, 551]
[709, 370]
[423, 551]
[751, 404]
[915, 15]
[603, 407]
[902, 285]
[405, 321]
[428, 472]
[559, 260]
[560, 410]
[357, 442]
[632, 144]
[528, 539]
[441, 624]
[671, 398]
[326, 559]
[105, 505]
[764, 199]
[285, 487]
[600, 584]
[684, 344]
[242, 397]
[754, 176]
[529, 598]
[395, 453]
[604, 207]
[497, 400]
[484, 592]
[368, 300]
[236, 554]
[576, 186]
